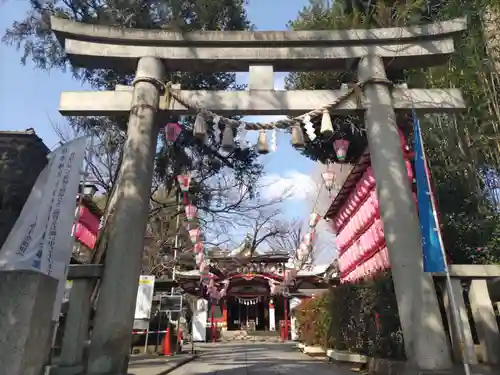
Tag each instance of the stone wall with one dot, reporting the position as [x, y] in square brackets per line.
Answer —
[22, 158]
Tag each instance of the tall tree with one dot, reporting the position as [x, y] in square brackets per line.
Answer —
[218, 172]
[466, 174]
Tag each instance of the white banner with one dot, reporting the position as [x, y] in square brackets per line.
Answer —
[41, 240]
[144, 297]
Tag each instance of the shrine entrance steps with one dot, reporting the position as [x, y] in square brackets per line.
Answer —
[254, 336]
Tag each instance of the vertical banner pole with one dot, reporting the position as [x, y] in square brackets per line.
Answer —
[457, 320]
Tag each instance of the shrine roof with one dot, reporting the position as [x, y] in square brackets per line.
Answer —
[349, 183]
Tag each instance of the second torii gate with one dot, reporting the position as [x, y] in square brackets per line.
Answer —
[151, 52]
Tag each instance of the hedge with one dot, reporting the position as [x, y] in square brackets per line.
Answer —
[359, 318]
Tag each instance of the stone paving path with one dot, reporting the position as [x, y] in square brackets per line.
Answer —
[256, 358]
[157, 365]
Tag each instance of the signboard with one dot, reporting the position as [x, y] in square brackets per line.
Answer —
[41, 239]
[171, 302]
[144, 297]
[199, 321]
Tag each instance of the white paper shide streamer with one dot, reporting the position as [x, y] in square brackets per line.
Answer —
[216, 128]
[308, 126]
[242, 133]
[274, 141]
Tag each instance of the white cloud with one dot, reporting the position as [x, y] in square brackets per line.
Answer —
[294, 184]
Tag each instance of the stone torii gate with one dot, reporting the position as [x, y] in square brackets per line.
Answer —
[150, 53]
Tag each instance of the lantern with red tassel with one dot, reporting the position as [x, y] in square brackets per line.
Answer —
[191, 211]
[309, 238]
[328, 178]
[341, 146]
[194, 234]
[184, 182]
[314, 218]
[198, 247]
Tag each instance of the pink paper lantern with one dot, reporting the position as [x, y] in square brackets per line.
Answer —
[172, 131]
[341, 146]
[184, 182]
[409, 169]
[198, 248]
[309, 238]
[314, 218]
[191, 211]
[200, 258]
[328, 179]
[370, 178]
[203, 267]
[194, 235]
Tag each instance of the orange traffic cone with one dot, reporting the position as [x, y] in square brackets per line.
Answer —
[167, 350]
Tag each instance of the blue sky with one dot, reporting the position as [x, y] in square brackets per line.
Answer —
[30, 97]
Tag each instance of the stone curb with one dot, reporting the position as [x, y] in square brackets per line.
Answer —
[175, 366]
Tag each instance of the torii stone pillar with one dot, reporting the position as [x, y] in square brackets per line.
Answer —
[94, 46]
[111, 335]
[425, 341]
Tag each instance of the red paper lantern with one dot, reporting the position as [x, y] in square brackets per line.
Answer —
[198, 247]
[172, 131]
[341, 146]
[309, 238]
[314, 218]
[328, 178]
[184, 181]
[191, 211]
[194, 234]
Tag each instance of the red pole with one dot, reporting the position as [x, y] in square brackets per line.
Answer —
[286, 318]
[213, 325]
[286, 305]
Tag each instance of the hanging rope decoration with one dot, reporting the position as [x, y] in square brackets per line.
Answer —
[326, 130]
[248, 301]
[204, 114]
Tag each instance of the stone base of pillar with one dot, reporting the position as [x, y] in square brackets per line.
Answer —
[66, 370]
[466, 346]
[25, 321]
[485, 320]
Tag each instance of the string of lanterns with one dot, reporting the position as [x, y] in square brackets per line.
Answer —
[191, 211]
[228, 144]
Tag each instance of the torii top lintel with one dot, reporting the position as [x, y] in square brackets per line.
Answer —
[95, 46]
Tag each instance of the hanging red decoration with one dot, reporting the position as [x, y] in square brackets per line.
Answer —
[198, 247]
[184, 182]
[328, 178]
[341, 146]
[309, 238]
[194, 234]
[191, 211]
[314, 218]
[172, 131]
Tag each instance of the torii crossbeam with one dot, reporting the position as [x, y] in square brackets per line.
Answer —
[152, 52]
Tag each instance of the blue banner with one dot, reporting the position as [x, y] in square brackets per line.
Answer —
[433, 254]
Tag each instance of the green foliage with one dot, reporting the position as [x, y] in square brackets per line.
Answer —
[463, 151]
[32, 35]
[346, 319]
